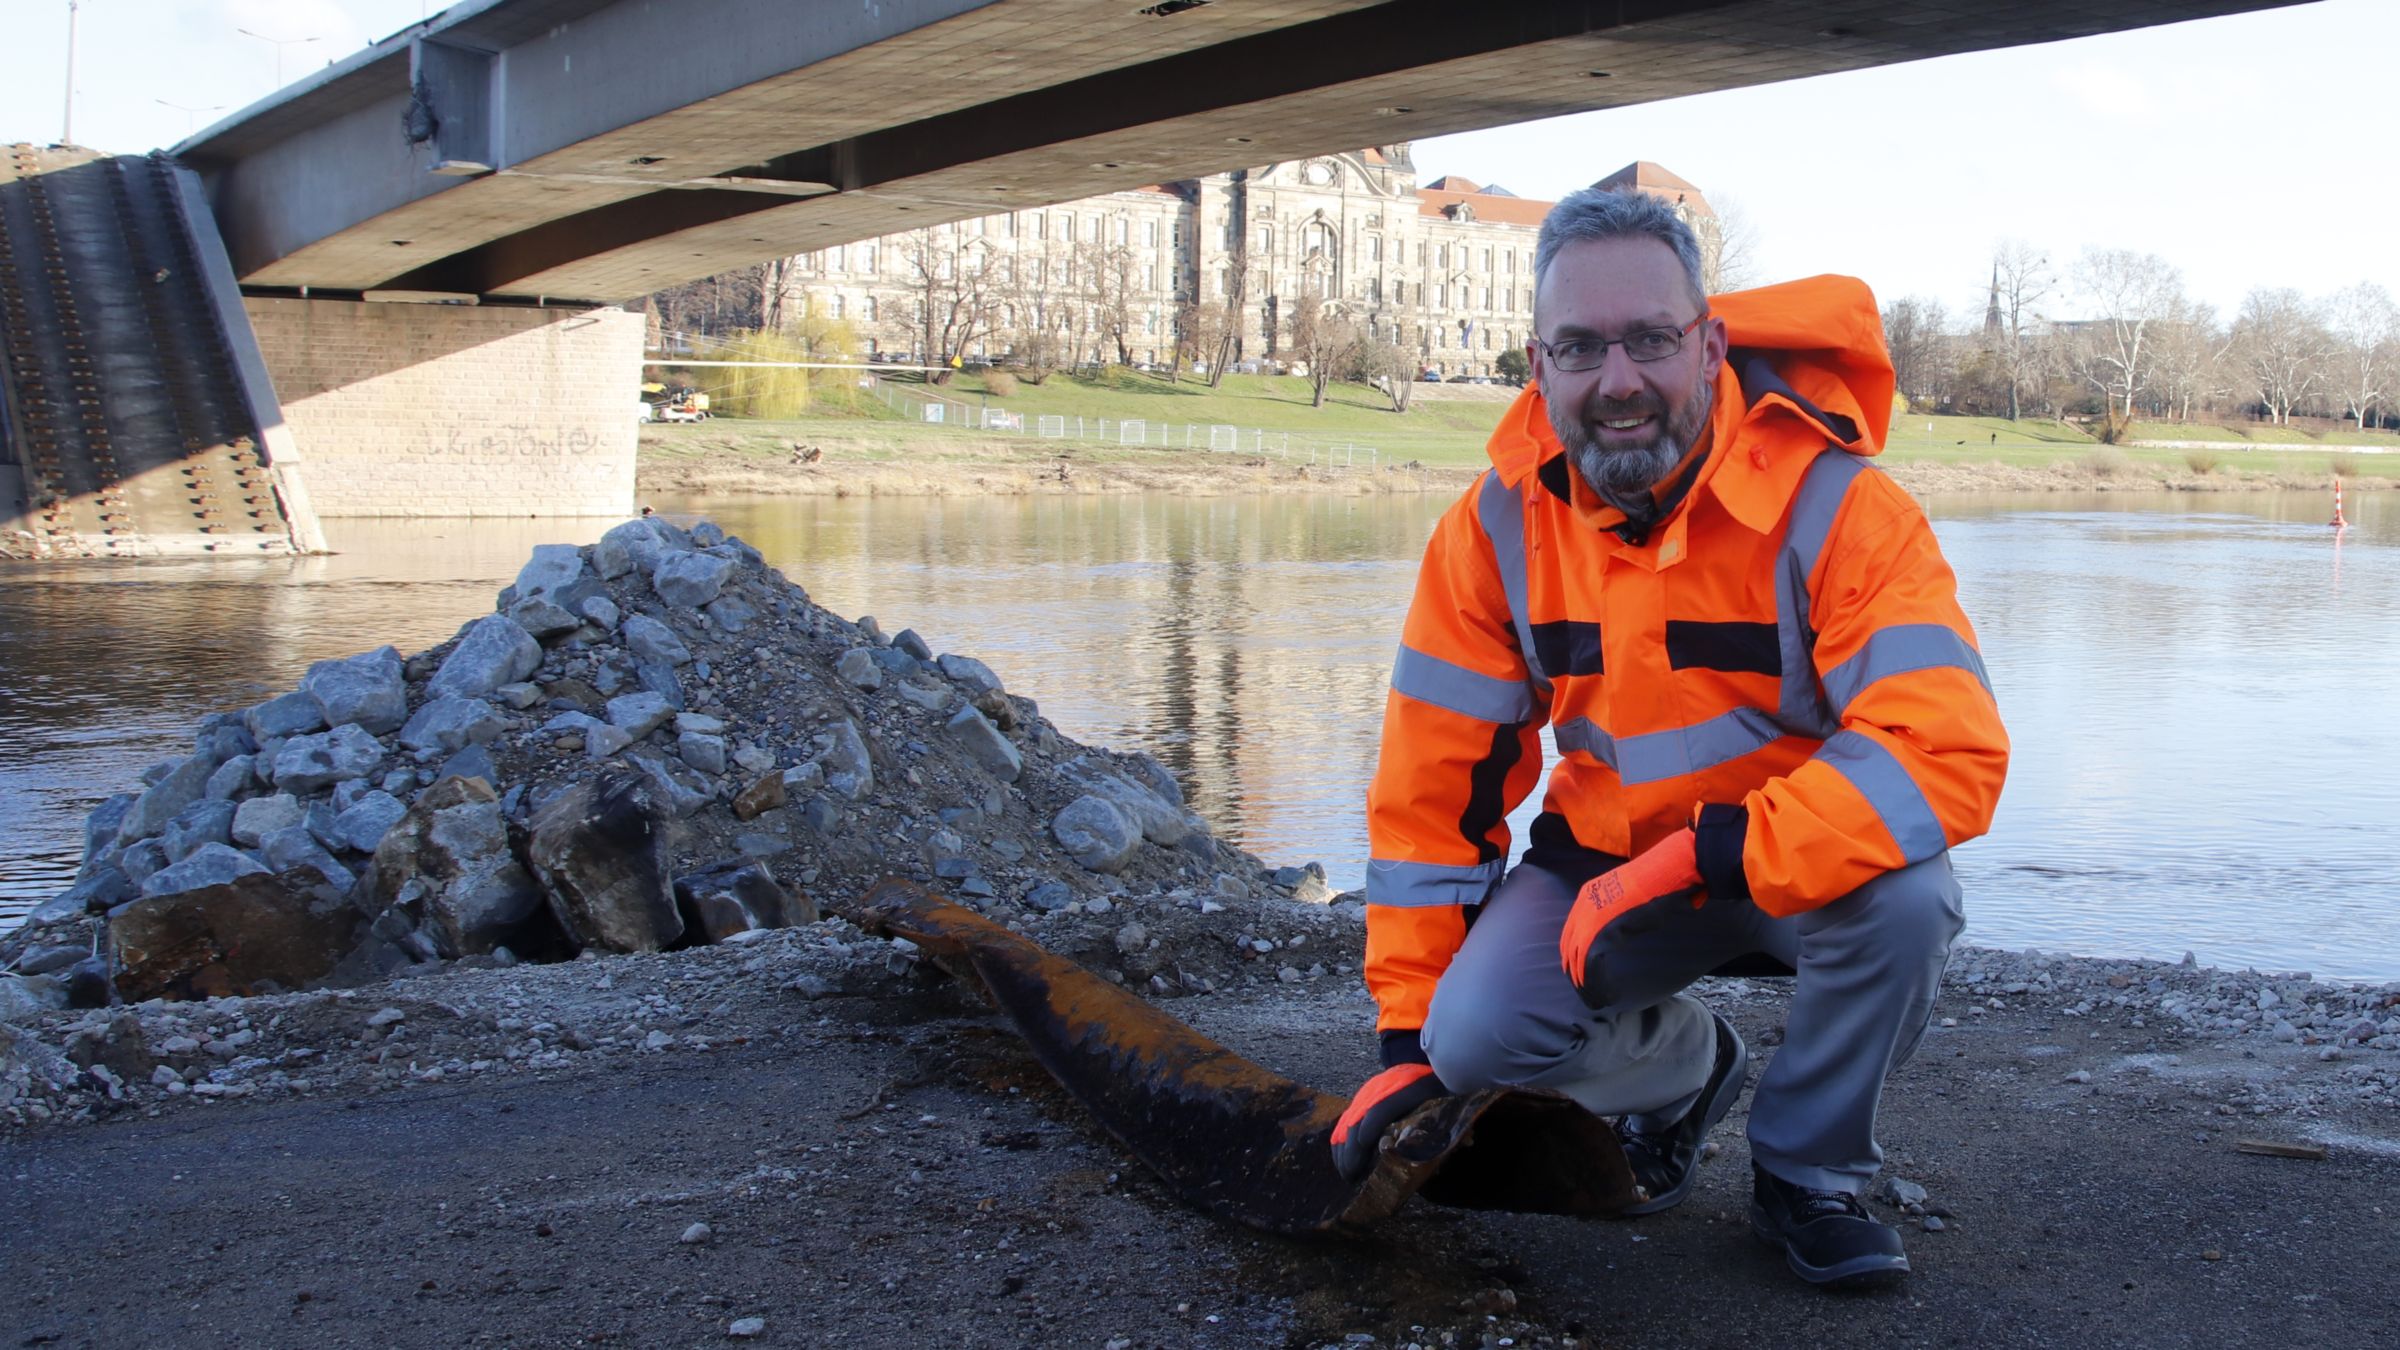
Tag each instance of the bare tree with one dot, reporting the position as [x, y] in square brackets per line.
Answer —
[1327, 340]
[776, 286]
[2366, 357]
[1033, 311]
[2021, 280]
[1921, 359]
[1236, 285]
[2128, 293]
[1200, 333]
[729, 302]
[2282, 343]
[1112, 279]
[2188, 365]
[1728, 248]
[950, 292]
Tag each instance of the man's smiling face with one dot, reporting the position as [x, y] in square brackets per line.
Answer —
[1625, 423]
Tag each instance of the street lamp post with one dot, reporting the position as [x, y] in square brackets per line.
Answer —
[66, 134]
[279, 44]
[191, 115]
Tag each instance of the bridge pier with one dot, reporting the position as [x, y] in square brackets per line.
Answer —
[407, 409]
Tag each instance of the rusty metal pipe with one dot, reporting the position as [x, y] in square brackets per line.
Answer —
[1238, 1140]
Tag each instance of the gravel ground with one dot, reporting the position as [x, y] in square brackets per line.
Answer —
[813, 1129]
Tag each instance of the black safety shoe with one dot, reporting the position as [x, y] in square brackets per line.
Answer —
[1826, 1236]
[1665, 1163]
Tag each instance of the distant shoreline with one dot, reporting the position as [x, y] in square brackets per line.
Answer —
[1036, 468]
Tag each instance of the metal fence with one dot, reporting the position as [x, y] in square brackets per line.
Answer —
[927, 404]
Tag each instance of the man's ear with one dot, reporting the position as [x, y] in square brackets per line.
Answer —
[1715, 341]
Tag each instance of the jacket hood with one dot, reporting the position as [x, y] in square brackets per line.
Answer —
[1808, 355]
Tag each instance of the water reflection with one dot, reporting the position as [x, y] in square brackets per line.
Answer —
[1237, 639]
[104, 667]
[2191, 683]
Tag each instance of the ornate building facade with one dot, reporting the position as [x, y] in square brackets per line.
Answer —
[1443, 269]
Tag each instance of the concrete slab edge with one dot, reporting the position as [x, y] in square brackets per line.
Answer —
[275, 437]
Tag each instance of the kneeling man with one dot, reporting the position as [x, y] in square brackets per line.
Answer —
[1772, 724]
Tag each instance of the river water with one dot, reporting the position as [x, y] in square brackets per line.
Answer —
[2196, 685]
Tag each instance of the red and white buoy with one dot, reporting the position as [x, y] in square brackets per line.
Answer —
[2337, 522]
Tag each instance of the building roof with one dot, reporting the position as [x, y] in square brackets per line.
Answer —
[1500, 208]
[1451, 182]
[1644, 176]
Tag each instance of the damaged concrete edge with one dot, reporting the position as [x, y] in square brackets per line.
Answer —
[276, 442]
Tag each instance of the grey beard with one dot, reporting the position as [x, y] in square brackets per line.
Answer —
[1623, 478]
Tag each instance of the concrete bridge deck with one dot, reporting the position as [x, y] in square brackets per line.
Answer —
[605, 149]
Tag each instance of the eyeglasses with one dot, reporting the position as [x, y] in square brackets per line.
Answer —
[1575, 355]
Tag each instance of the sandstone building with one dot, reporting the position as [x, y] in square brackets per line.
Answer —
[1443, 269]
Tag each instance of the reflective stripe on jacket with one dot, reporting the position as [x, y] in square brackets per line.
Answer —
[1788, 640]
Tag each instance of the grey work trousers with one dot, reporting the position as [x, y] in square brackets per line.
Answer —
[1506, 1015]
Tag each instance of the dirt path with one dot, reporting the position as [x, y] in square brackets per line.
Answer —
[887, 1168]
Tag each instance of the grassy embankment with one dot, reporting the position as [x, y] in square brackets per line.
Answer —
[1445, 429]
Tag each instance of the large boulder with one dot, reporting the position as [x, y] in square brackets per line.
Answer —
[100, 829]
[637, 545]
[674, 786]
[543, 618]
[849, 768]
[221, 737]
[361, 828]
[1098, 834]
[297, 846]
[599, 849]
[1161, 821]
[690, 579]
[492, 651]
[977, 677]
[203, 822]
[449, 723]
[104, 888]
[293, 714]
[165, 799]
[654, 641]
[253, 934]
[734, 897]
[232, 778]
[309, 764]
[209, 865]
[552, 567]
[365, 690]
[447, 867]
[985, 744]
[259, 817]
[637, 715]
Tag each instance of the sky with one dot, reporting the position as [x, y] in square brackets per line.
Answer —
[2261, 150]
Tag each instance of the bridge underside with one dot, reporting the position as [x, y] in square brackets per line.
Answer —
[592, 150]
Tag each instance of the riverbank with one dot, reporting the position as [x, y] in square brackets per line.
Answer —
[809, 1138]
[785, 1129]
[731, 458]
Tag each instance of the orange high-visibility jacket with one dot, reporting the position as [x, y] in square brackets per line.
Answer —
[1785, 648]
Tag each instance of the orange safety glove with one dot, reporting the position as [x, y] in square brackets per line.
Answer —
[1383, 1101]
[1626, 900]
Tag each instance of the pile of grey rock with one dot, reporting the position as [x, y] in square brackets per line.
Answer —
[358, 817]
[654, 742]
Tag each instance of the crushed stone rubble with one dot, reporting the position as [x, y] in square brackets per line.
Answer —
[656, 748]
[622, 815]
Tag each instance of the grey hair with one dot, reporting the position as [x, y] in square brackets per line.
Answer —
[1598, 213]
